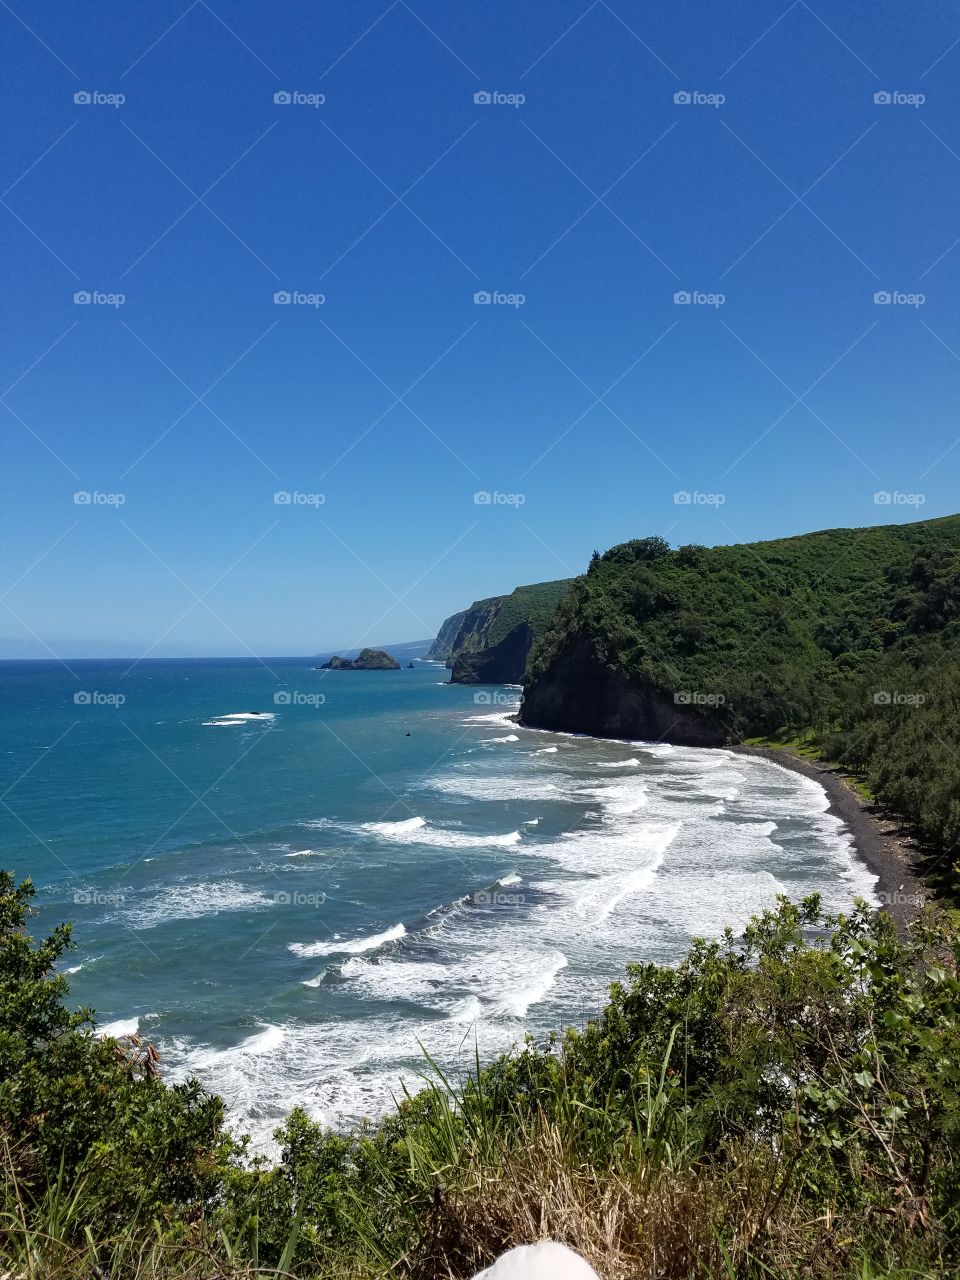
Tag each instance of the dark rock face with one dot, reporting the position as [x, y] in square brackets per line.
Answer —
[502, 663]
[366, 660]
[579, 694]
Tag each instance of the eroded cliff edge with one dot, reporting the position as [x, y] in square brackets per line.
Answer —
[489, 642]
[579, 693]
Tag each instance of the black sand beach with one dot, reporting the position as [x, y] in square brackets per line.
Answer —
[878, 840]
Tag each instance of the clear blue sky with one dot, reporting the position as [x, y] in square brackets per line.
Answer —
[597, 399]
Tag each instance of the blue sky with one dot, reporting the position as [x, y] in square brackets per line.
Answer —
[781, 196]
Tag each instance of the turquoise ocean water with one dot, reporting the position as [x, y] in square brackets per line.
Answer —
[291, 879]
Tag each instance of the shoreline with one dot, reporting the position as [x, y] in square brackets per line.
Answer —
[878, 841]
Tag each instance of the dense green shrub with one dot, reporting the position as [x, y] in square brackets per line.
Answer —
[786, 1103]
[73, 1105]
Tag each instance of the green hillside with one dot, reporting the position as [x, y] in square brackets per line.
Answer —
[533, 605]
[851, 633]
[488, 643]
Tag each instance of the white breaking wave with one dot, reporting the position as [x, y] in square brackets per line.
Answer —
[123, 1026]
[545, 751]
[492, 742]
[494, 787]
[241, 717]
[504, 980]
[504, 717]
[518, 1002]
[419, 831]
[393, 829]
[353, 946]
[620, 797]
[190, 901]
[264, 1041]
[665, 845]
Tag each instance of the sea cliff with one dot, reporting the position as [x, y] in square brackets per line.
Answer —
[488, 643]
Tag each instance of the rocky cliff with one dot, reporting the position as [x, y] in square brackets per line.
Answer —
[489, 642]
[442, 648]
[474, 630]
[502, 663]
[580, 693]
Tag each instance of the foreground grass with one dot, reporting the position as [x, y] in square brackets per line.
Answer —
[782, 1105]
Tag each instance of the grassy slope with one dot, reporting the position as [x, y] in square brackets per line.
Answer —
[533, 604]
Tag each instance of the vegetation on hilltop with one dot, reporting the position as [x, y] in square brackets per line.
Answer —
[851, 633]
[783, 1105]
[534, 605]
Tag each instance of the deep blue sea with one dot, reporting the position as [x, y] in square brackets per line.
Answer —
[290, 879]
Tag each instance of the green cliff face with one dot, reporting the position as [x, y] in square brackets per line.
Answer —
[475, 626]
[489, 642]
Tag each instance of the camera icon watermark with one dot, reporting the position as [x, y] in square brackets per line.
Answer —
[686, 698]
[494, 98]
[297, 298]
[697, 298]
[496, 298]
[894, 98]
[497, 898]
[895, 698]
[694, 98]
[96, 298]
[94, 498]
[694, 498]
[493, 698]
[294, 698]
[282, 898]
[897, 298]
[94, 98]
[294, 498]
[895, 498]
[295, 98]
[900, 898]
[94, 898]
[95, 698]
[494, 498]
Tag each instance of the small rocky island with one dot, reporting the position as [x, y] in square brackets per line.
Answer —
[366, 660]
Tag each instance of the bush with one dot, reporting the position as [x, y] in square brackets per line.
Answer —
[783, 1104]
[74, 1107]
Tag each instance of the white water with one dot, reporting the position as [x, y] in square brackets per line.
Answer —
[621, 852]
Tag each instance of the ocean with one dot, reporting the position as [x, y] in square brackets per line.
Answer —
[294, 882]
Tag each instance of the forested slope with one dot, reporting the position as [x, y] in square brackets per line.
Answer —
[853, 634]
